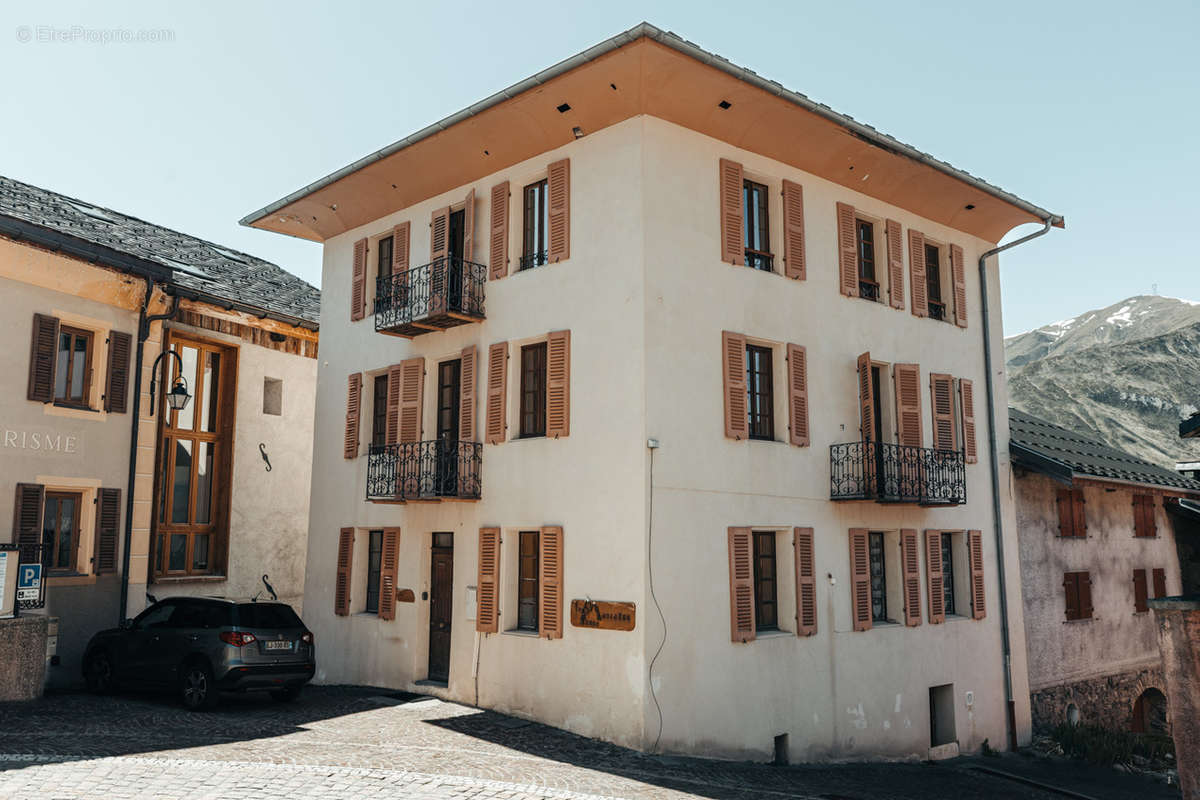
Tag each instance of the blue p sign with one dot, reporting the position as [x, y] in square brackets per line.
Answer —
[29, 576]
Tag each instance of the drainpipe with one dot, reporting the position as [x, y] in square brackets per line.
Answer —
[994, 453]
[143, 334]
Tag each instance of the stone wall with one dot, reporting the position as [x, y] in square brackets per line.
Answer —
[1106, 701]
[23, 657]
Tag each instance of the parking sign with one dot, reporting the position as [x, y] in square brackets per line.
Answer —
[29, 582]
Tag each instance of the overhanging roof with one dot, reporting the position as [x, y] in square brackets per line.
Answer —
[645, 70]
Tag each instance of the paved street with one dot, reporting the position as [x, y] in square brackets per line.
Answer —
[352, 742]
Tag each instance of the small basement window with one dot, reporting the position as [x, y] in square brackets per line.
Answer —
[273, 396]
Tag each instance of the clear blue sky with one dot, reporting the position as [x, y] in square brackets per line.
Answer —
[1088, 109]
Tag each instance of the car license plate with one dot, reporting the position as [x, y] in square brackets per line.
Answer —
[277, 645]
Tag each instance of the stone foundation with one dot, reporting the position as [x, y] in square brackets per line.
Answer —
[23, 657]
[1107, 702]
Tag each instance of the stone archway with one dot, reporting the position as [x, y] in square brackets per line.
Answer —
[1150, 712]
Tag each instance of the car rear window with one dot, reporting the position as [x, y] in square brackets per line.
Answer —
[267, 615]
[201, 614]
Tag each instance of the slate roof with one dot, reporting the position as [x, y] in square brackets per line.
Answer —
[1047, 448]
[207, 269]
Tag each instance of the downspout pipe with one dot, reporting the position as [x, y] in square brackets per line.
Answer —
[994, 455]
[143, 334]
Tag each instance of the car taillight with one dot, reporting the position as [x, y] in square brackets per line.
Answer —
[306, 637]
[237, 638]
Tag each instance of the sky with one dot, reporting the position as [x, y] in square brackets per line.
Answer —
[1088, 109]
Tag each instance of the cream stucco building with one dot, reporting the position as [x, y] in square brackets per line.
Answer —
[118, 504]
[653, 404]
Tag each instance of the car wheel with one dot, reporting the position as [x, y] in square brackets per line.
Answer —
[101, 678]
[286, 695]
[198, 689]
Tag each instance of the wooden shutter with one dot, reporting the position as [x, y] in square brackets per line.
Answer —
[1084, 585]
[116, 387]
[895, 254]
[1144, 523]
[1151, 512]
[1140, 591]
[358, 281]
[1071, 595]
[916, 269]
[487, 614]
[793, 230]
[389, 564]
[401, 241]
[847, 250]
[497, 393]
[741, 585]
[1078, 512]
[1066, 518]
[466, 395]
[353, 412]
[966, 398]
[866, 397]
[439, 229]
[27, 520]
[345, 559]
[941, 388]
[395, 379]
[550, 582]
[468, 252]
[412, 384]
[978, 595]
[43, 352]
[910, 564]
[498, 240]
[729, 188]
[558, 384]
[860, 580]
[108, 520]
[806, 582]
[1160, 582]
[733, 367]
[935, 577]
[797, 362]
[908, 404]
[959, 280]
[558, 189]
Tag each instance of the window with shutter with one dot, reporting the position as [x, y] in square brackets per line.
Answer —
[1144, 511]
[466, 394]
[1160, 582]
[468, 234]
[558, 384]
[108, 518]
[358, 281]
[797, 362]
[533, 391]
[528, 580]
[27, 521]
[730, 189]
[116, 389]
[550, 579]
[760, 393]
[966, 397]
[1071, 522]
[391, 286]
[757, 226]
[345, 560]
[959, 279]
[395, 380]
[1140, 591]
[860, 580]
[917, 277]
[866, 398]
[910, 559]
[389, 564]
[766, 580]
[43, 351]
[806, 582]
[733, 367]
[487, 615]
[498, 237]
[412, 384]
[1078, 512]
[73, 367]
[741, 585]
[895, 251]
[793, 231]
[908, 404]
[497, 388]
[558, 244]
[942, 393]
[847, 250]
[353, 411]
[978, 594]
[935, 577]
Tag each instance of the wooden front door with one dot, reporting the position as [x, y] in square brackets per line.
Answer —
[441, 593]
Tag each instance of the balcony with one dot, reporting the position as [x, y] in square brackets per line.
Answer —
[428, 471]
[892, 473]
[441, 294]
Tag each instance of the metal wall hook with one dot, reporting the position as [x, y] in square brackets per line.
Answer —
[262, 449]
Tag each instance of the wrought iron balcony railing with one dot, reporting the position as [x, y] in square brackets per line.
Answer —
[441, 294]
[440, 469]
[893, 473]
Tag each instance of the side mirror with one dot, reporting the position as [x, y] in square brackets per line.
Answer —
[127, 624]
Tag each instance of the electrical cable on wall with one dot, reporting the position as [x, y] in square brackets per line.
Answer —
[654, 597]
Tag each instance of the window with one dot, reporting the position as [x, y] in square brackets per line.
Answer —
[766, 606]
[761, 405]
[933, 281]
[384, 265]
[947, 541]
[878, 566]
[1144, 524]
[527, 581]
[273, 396]
[868, 283]
[533, 390]
[756, 226]
[379, 410]
[537, 221]
[60, 530]
[73, 367]
[1078, 589]
[1072, 517]
[374, 559]
[1140, 591]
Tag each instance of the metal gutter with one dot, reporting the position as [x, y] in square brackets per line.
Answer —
[680, 45]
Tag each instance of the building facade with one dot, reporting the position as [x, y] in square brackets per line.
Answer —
[206, 515]
[664, 427]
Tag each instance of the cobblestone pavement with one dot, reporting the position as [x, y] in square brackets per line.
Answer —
[339, 742]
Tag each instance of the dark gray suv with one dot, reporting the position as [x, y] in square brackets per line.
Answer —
[201, 646]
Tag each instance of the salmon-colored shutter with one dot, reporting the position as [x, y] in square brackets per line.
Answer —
[27, 520]
[910, 564]
[558, 384]
[1140, 591]
[439, 229]
[108, 518]
[860, 580]
[733, 367]
[729, 188]
[497, 393]
[412, 384]
[908, 404]
[916, 269]
[116, 389]
[401, 247]
[43, 351]
[959, 279]
[941, 389]
[797, 362]
[935, 577]
[1160, 582]
[978, 595]
[550, 582]
[847, 250]
[793, 230]
[741, 585]
[1078, 514]
[345, 559]
[389, 564]
[498, 241]
[487, 615]
[395, 379]
[966, 397]
[468, 252]
[866, 397]
[895, 253]
[466, 395]
[353, 412]
[558, 189]
[358, 281]
[1071, 595]
[806, 582]
[1084, 585]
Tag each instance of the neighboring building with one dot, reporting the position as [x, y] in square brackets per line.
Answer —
[1188, 469]
[1096, 544]
[647, 242]
[1190, 427]
[246, 332]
